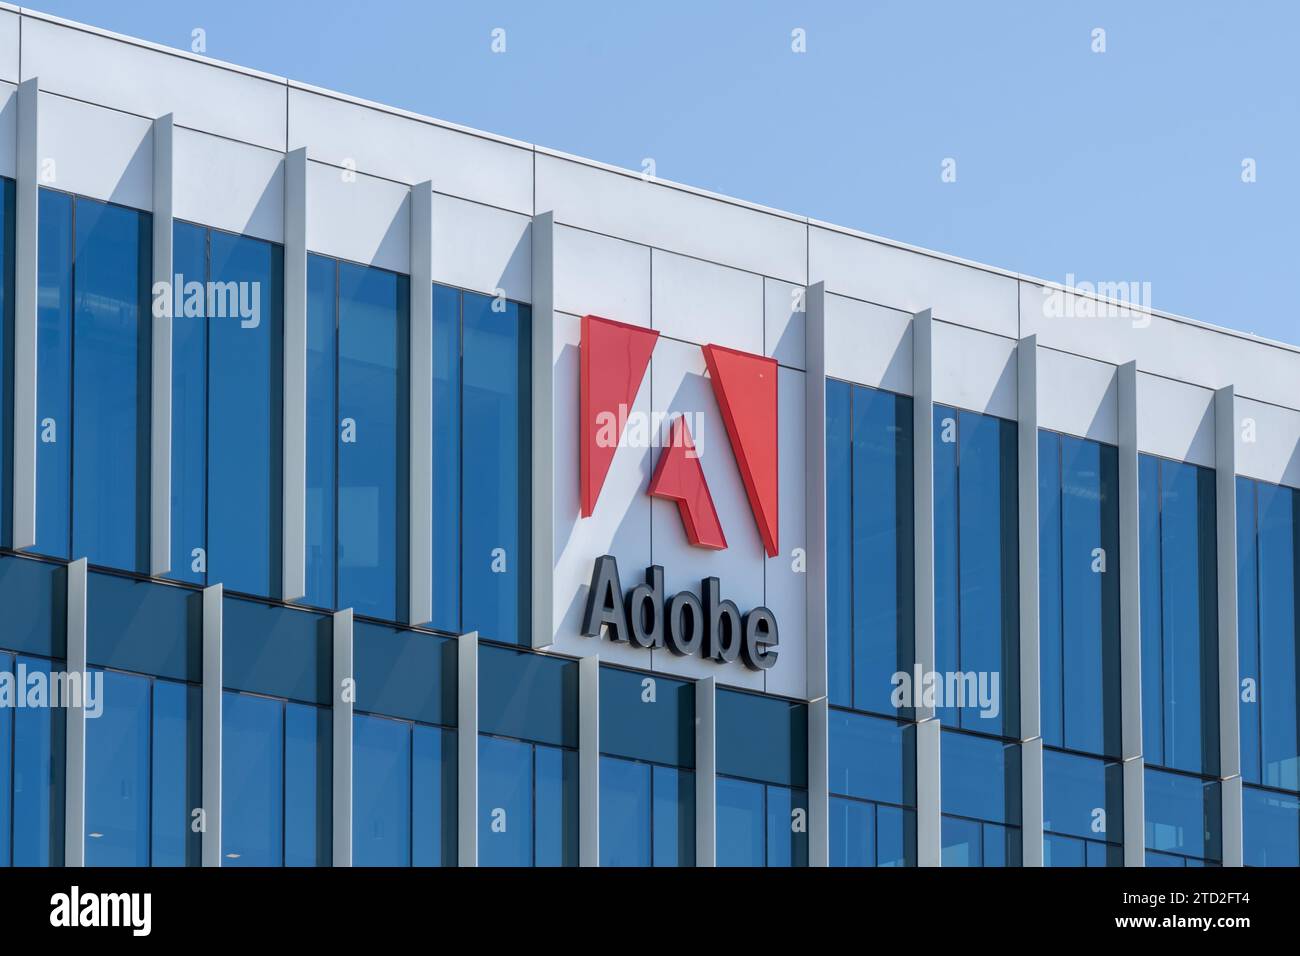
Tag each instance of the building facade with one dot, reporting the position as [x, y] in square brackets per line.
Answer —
[382, 492]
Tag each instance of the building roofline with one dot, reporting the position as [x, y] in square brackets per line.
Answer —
[806, 221]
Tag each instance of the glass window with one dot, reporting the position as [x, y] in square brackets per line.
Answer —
[1079, 593]
[404, 793]
[1183, 815]
[496, 435]
[227, 413]
[760, 824]
[1270, 827]
[112, 324]
[373, 449]
[37, 758]
[762, 738]
[976, 513]
[1083, 800]
[276, 782]
[872, 765]
[870, 582]
[980, 798]
[54, 327]
[528, 805]
[1180, 715]
[143, 772]
[528, 696]
[1268, 627]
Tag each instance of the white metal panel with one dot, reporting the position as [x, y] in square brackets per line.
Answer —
[9, 45]
[341, 725]
[1079, 397]
[150, 82]
[701, 302]
[358, 218]
[542, 364]
[74, 832]
[1175, 420]
[597, 275]
[681, 386]
[868, 344]
[1268, 442]
[160, 436]
[786, 580]
[1180, 350]
[974, 370]
[784, 311]
[665, 217]
[229, 185]
[411, 150]
[8, 130]
[620, 524]
[420, 423]
[481, 248]
[95, 152]
[911, 281]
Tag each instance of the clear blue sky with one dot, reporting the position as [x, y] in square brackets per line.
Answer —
[1117, 166]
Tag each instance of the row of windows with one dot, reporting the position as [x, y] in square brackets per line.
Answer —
[144, 746]
[94, 381]
[870, 644]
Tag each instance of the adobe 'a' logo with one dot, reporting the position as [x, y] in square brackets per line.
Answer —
[613, 362]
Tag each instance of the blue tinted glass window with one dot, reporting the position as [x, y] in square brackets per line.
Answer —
[496, 449]
[111, 367]
[1083, 797]
[981, 777]
[322, 416]
[1079, 593]
[433, 796]
[39, 763]
[839, 541]
[275, 787]
[1179, 616]
[6, 768]
[144, 627]
[555, 791]
[373, 447]
[176, 776]
[673, 817]
[625, 812]
[647, 717]
[381, 792]
[528, 696]
[54, 310]
[976, 568]
[741, 823]
[117, 773]
[853, 832]
[1183, 815]
[963, 842]
[762, 738]
[446, 459]
[872, 758]
[244, 317]
[1270, 827]
[883, 628]
[505, 781]
[403, 673]
[1266, 588]
[189, 406]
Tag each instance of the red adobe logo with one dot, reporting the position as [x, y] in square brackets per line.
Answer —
[613, 362]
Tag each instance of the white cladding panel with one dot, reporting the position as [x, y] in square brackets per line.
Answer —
[229, 185]
[784, 309]
[974, 370]
[95, 152]
[665, 217]
[1175, 420]
[9, 46]
[1268, 442]
[1078, 396]
[152, 82]
[868, 344]
[700, 302]
[8, 130]
[358, 218]
[482, 248]
[409, 150]
[597, 275]
[912, 281]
